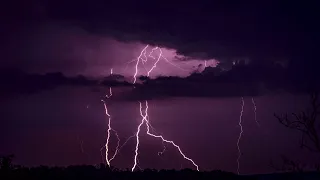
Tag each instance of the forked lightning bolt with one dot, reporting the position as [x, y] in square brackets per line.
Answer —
[146, 121]
[241, 131]
[143, 58]
[137, 63]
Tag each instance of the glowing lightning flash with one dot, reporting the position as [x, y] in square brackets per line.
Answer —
[143, 58]
[241, 131]
[146, 121]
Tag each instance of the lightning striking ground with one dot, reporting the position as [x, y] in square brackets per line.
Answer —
[108, 161]
[146, 121]
[240, 135]
[141, 59]
[138, 140]
[108, 132]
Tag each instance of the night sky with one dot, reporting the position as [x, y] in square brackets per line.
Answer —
[211, 55]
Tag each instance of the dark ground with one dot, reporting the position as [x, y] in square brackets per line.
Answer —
[103, 172]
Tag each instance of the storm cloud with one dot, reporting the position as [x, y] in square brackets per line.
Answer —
[199, 28]
[43, 36]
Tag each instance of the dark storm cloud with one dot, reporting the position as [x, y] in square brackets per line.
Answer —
[252, 79]
[200, 28]
[57, 35]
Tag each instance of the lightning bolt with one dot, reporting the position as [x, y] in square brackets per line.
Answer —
[164, 149]
[143, 58]
[241, 131]
[110, 89]
[81, 144]
[127, 141]
[137, 63]
[150, 54]
[108, 161]
[146, 121]
[108, 132]
[110, 93]
[255, 111]
[137, 139]
[117, 148]
[155, 64]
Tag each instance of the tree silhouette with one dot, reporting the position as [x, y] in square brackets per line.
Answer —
[6, 162]
[307, 122]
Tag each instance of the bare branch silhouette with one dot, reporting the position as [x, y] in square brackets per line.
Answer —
[307, 123]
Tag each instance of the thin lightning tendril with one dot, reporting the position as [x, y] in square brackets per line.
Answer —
[155, 64]
[173, 64]
[241, 131]
[255, 111]
[146, 121]
[164, 149]
[126, 141]
[81, 144]
[117, 148]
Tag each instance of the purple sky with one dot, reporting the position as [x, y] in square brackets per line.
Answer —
[91, 37]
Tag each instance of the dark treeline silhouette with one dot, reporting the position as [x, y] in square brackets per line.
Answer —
[10, 171]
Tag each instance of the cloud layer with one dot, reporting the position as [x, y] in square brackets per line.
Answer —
[44, 35]
[199, 28]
